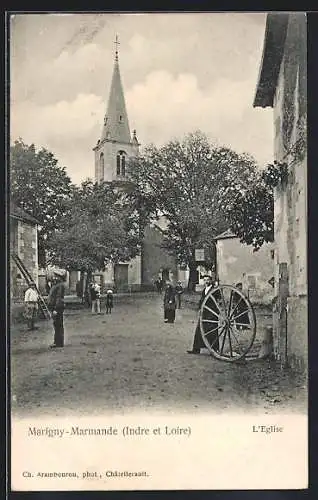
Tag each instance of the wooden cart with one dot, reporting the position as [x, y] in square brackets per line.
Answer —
[227, 323]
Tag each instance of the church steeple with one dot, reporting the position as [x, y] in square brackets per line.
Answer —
[115, 145]
[116, 125]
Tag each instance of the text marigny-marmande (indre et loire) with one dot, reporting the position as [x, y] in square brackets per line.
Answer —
[125, 431]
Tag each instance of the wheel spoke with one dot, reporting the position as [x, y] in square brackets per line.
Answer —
[230, 304]
[241, 314]
[209, 321]
[241, 298]
[223, 341]
[230, 344]
[219, 335]
[215, 302]
[210, 331]
[213, 312]
[234, 335]
[243, 324]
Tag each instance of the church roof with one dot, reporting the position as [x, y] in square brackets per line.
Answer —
[116, 125]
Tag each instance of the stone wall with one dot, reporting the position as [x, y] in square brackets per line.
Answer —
[236, 262]
[23, 242]
[291, 197]
[297, 330]
[154, 258]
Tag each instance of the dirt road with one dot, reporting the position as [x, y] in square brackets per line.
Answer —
[131, 360]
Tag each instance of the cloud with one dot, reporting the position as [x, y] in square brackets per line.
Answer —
[161, 107]
[63, 77]
[64, 120]
[68, 129]
[164, 106]
[180, 72]
[55, 58]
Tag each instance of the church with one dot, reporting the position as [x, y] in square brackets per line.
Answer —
[114, 147]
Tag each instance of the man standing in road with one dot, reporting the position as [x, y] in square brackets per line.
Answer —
[198, 341]
[56, 306]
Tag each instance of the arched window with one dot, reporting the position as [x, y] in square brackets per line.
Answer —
[118, 163]
[121, 163]
[101, 166]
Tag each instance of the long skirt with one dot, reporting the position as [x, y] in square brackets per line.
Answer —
[30, 310]
[169, 314]
[58, 329]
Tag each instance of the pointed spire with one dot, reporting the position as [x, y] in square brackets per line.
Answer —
[134, 138]
[116, 125]
[116, 42]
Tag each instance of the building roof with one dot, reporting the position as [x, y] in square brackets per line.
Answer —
[226, 234]
[18, 213]
[273, 50]
[116, 125]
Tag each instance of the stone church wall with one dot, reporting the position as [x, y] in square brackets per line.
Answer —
[155, 260]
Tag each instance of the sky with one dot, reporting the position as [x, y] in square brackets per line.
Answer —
[181, 72]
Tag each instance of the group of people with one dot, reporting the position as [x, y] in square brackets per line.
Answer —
[56, 305]
[171, 301]
[95, 295]
[158, 284]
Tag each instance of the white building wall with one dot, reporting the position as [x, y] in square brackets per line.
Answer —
[134, 271]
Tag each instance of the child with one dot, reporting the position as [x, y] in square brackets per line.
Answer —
[109, 301]
[179, 292]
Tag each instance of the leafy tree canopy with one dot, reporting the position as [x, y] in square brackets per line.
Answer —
[192, 183]
[40, 187]
[99, 228]
[251, 214]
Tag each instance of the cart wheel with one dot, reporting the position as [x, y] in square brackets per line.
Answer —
[227, 323]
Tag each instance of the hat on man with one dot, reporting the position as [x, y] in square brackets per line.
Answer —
[109, 291]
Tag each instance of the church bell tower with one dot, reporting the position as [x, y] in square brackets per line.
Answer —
[116, 144]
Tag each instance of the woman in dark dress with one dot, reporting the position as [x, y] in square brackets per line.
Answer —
[169, 304]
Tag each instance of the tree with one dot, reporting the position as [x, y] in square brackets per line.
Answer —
[99, 229]
[188, 182]
[251, 213]
[41, 187]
